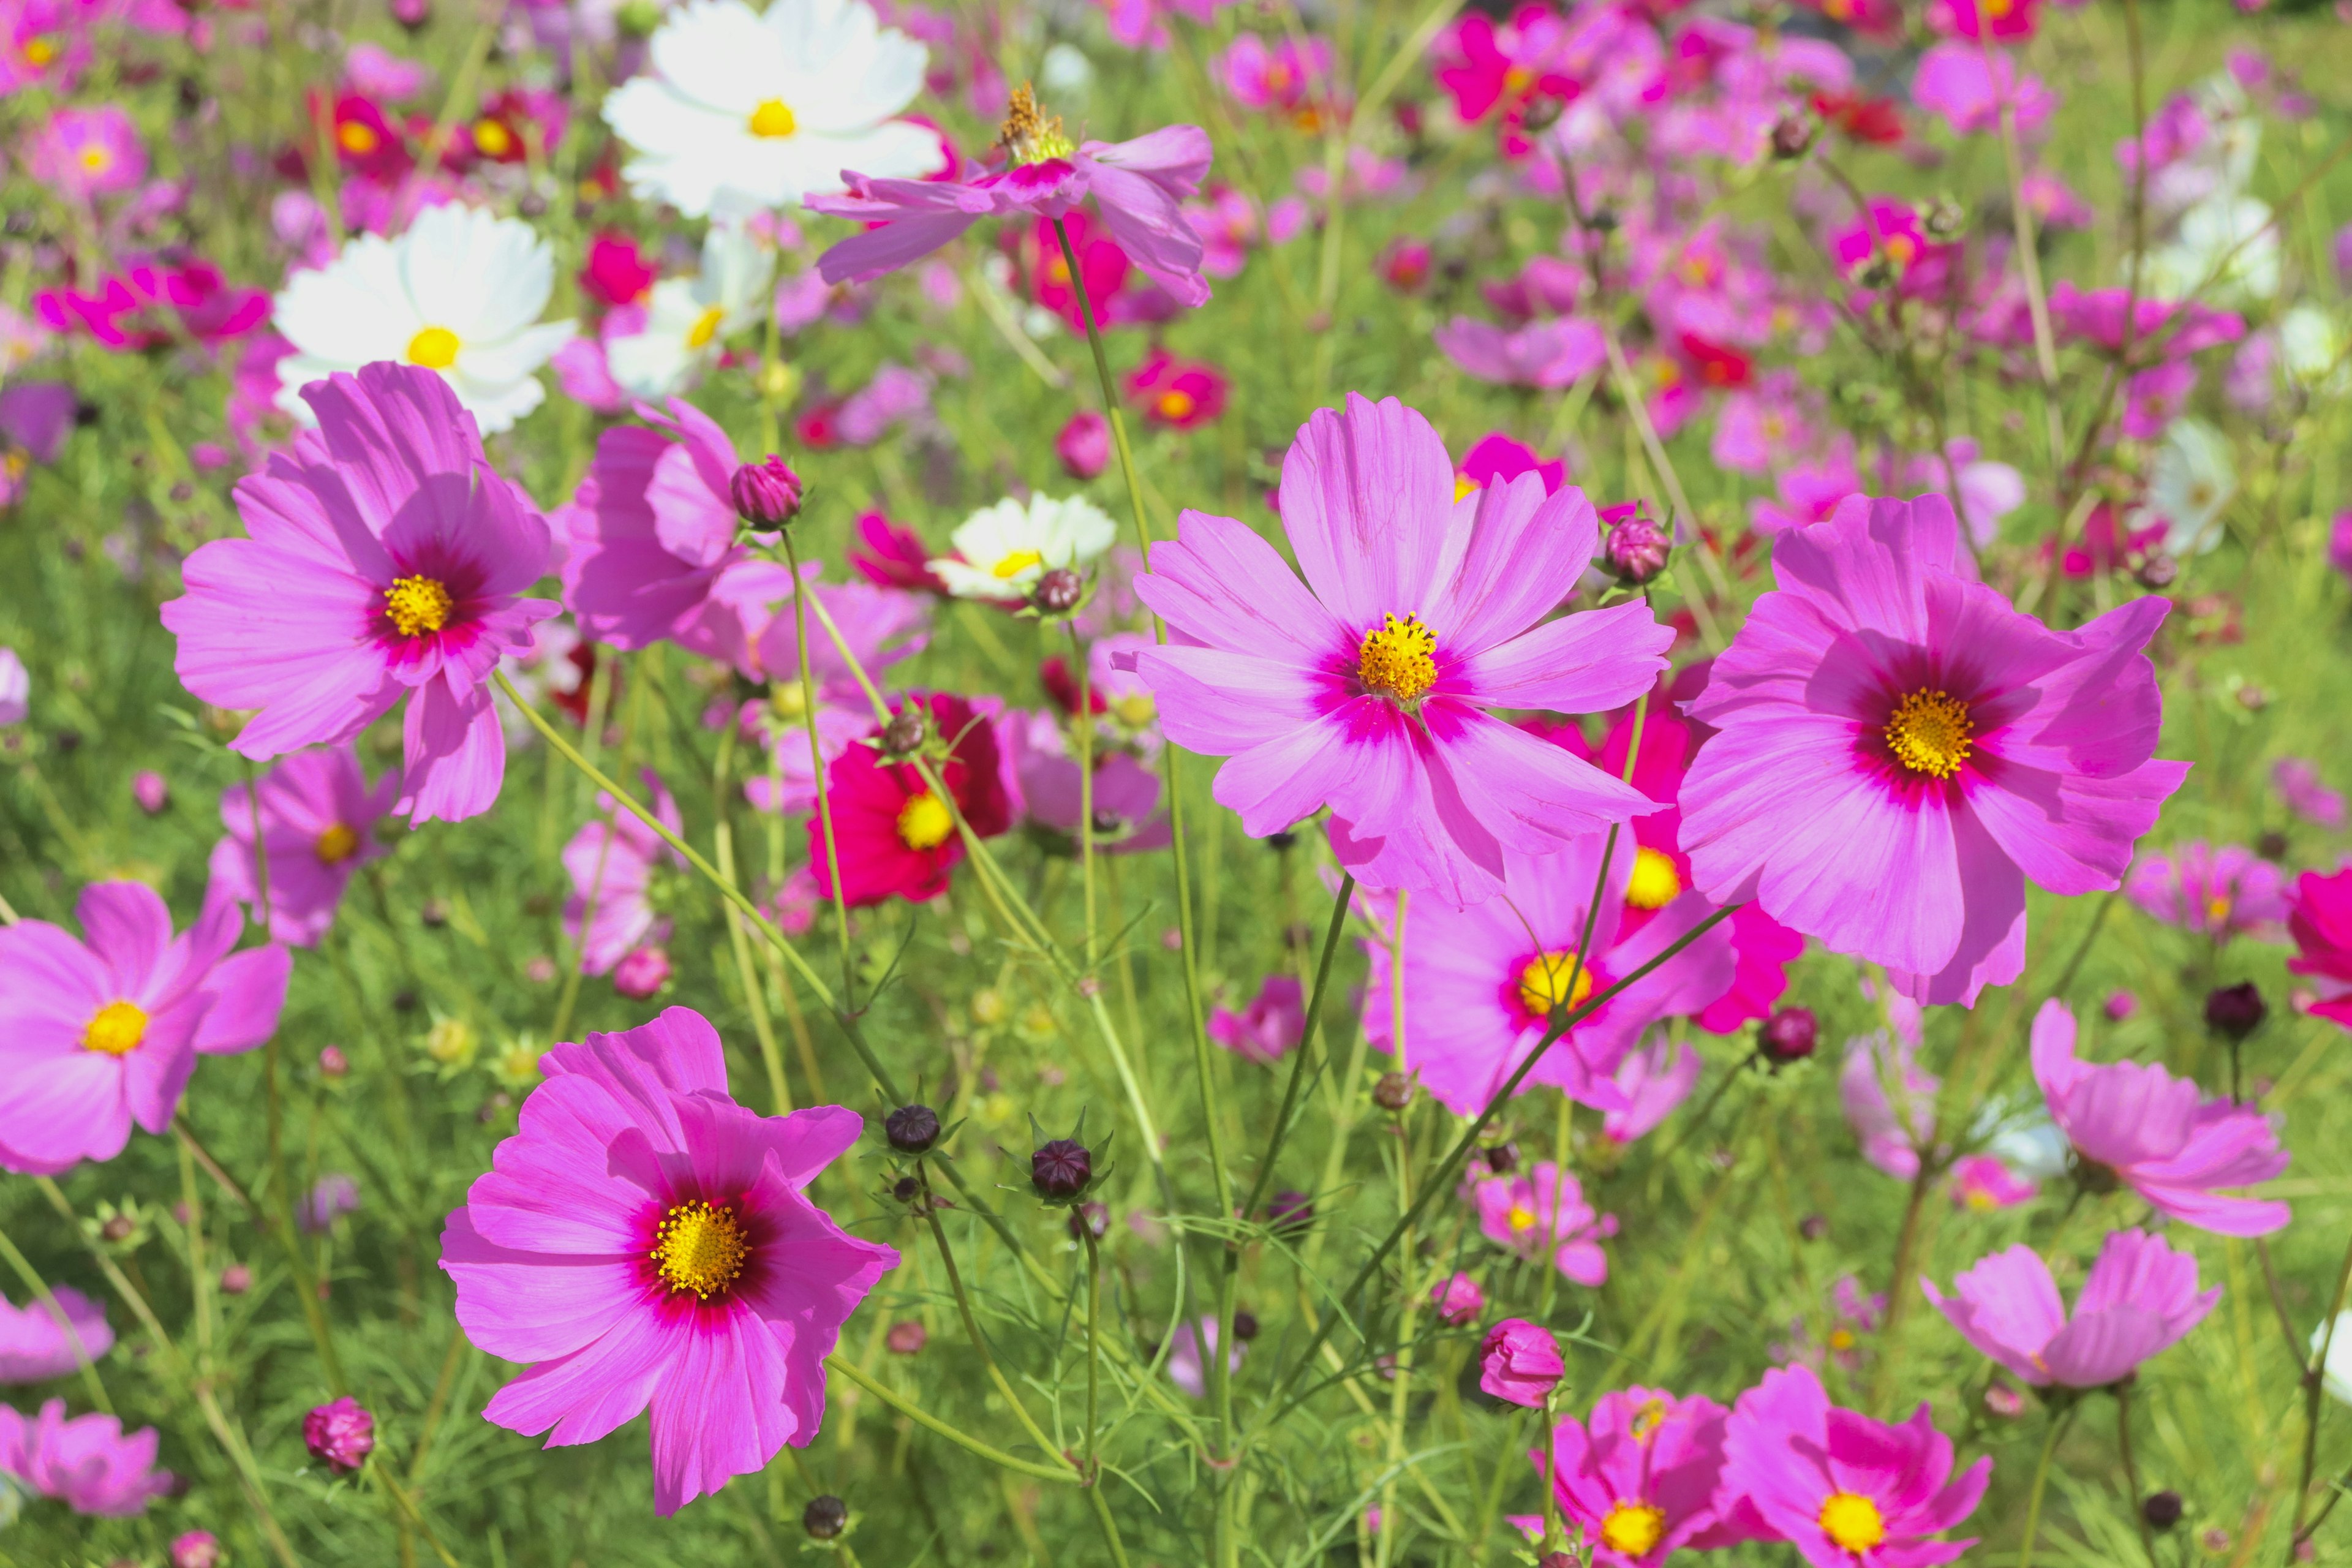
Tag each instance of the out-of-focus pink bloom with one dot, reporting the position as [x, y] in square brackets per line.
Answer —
[891, 556]
[1542, 1215]
[1044, 780]
[87, 1462]
[36, 1344]
[2002, 21]
[881, 627]
[1458, 1298]
[2321, 923]
[1142, 24]
[1177, 393]
[1520, 1362]
[196, 1549]
[2055, 203]
[86, 152]
[2155, 397]
[152, 790]
[1889, 1100]
[1186, 1364]
[2215, 892]
[1757, 428]
[2139, 1297]
[16, 687]
[2161, 329]
[329, 1198]
[1965, 86]
[1891, 237]
[1266, 1030]
[1496, 456]
[318, 818]
[2142, 1127]
[339, 1435]
[1546, 286]
[1653, 1081]
[1505, 70]
[1640, 1478]
[642, 972]
[1807, 493]
[1280, 79]
[612, 862]
[1984, 1182]
[1553, 353]
[2339, 543]
[895, 396]
[1084, 445]
[2297, 782]
[126, 311]
[617, 272]
[2121, 1004]
[1405, 265]
[1227, 224]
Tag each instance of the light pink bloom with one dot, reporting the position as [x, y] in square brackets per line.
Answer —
[86, 152]
[36, 1344]
[1043, 781]
[2297, 782]
[612, 862]
[86, 1462]
[1654, 1081]
[1543, 1214]
[2216, 892]
[1266, 1030]
[1985, 1182]
[2136, 1122]
[16, 687]
[1363, 689]
[1458, 1298]
[644, 1239]
[1889, 1100]
[319, 818]
[1184, 1359]
[1807, 493]
[1520, 1362]
[1640, 1477]
[1965, 87]
[2139, 1298]
[1282, 77]
[1553, 353]
[386, 559]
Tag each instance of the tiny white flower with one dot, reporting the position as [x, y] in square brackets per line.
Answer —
[1005, 548]
[2189, 481]
[689, 320]
[2312, 349]
[2336, 1376]
[740, 111]
[459, 292]
[2228, 239]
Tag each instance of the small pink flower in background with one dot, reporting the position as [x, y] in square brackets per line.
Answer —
[16, 687]
[196, 1549]
[1654, 1081]
[2215, 892]
[612, 862]
[2339, 543]
[1458, 1298]
[1757, 428]
[339, 1435]
[642, 972]
[1177, 393]
[1889, 1100]
[1084, 445]
[1281, 78]
[1853, 1318]
[2121, 1004]
[2055, 201]
[1543, 1214]
[2320, 919]
[1504, 69]
[1044, 784]
[1520, 1362]
[1807, 493]
[2153, 1134]
[1405, 265]
[319, 818]
[1185, 1361]
[1549, 355]
[617, 272]
[2297, 782]
[36, 1345]
[152, 790]
[1269, 1027]
[2002, 21]
[1227, 224]
[891, 556]
[1966, 86]
[1985, 1182]
[332, 1196]
[1840, 1488]
[1640, 1476]
[86, 152]
[1890, 238]
[1496, 456]
[2139, 1298]
[87, 1463]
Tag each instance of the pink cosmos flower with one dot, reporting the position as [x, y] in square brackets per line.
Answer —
[1541, 1214]
[1458, 1298]
[1508, 67]
[1266, 1030]
[1965, 86]
[1985, 1182]
[16, 687]
[881, 626]
[1891, 235]
[319, 818]
[644, 1239]
[612, 862]
[1807, 493]
[86, 1462]
[1840, 1488]
[1496, 456]
[87, 153]
[1138, 188]
[1758, 427]
[1364, 687]
[1185, 1362]
[2162, 329]
[2138, 1124]
[1888, 1099]
[105, 1033]
[2139, 1298]
[1281, 78]
[2215, 892]
[2321, 922]
[1520, 1362]
[2298, 783]
[1177, 393]
[36, 1344]
[151, 301]
[1639, 1477]
[1084, 445]
[1041, 780]
[1900, 750]
[386, 559]
[2002, 21]
[339, 1435]
[1553, 353]
[1653, 1081]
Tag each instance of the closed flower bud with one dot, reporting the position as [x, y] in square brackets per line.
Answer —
[2233, 1011]
[2162, 1510]
[2158, 570]
[1458, 1299]
[1635, 550]
[903, 735]
[908, 1338]
[825, 1516]
[196, 1549]
[1789, 1035]
[1289, 1211]
[1084, 445]
[412, 14]
[1244, 1327]
[1502, 1158]
[1791, 137]
[1058, 592]
[339, 1435]
[235, 1279]
[767, 494]
[1520, 1362]
[641, 973]
[1394, 1092]
[912, 1129]
[152, 794]
[1061, 1169]
[332, 1063]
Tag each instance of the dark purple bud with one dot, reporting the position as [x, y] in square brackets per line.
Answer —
[1789, 1035]
[903, 735]
[825, 1516]
[1635, 550]
[1394, 1092]
[2162, 1510]
[1061, 1169]
[1814, 1227]
[1289, 1211]
[1502, 1158]
[767, 494]
[1791, 137]
[2233, 1011]
[912, 1129]
[1057, 591]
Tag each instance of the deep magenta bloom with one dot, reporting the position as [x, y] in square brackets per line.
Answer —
[1496, 456]
[2139, 1297]
[1364, 687]
[2151, 1131]
[612, 861]
[2321, 923]
[1084, 445]
[36, 1345]
[87, 1462]
[105, 1033]
[1542, 1214]
[897, 840]
[1520, 1362]
[1640, 1476]
[1177, 393]
[386, 559]
[339, 1435]
[644, 1239]
[2216, 892]
[1845, 1491]
[318, 826]
[1900, 749]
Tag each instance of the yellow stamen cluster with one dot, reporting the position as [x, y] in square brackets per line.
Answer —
[1929, 732]
[924, 822]
[418, 606]
[1553, 980]
[1176, 405]
[1654, 883]
[1853, 1521]
[699, 1248]
[336, 844]
[357, 138]
[115, 1030]
[1016, 563]
[434, 348]
[1398, 659]
[1029, 135]
[773, 119]
[1633, 1527]
[705, 328]
[492, 139]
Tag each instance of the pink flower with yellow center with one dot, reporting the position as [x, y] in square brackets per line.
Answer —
[1640, 1476]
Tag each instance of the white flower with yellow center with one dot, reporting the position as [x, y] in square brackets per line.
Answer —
[689, 320]
[1005, 548]
[2190, 479]
[459, 292]
[741, 111]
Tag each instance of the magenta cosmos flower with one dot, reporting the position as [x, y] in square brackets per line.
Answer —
[1899, 750]
[1365, 688]
[105, 1033]
[2139, 1298]
[386, 559]
[2135, 1123]
[1543, 1213]
[1520, 1362]
[87, 1463]
[1138, 186]
[2216, 892]
[1640, 1476]
[318, 826]
[1844, 1490]
[644, 1239]
[36, 1344]
[2321, 923]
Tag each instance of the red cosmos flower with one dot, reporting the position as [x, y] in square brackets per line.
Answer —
[1718, 367]
[1178, 394]
[617, 272]
[1871, 120]
[897, 840]
[366, 141]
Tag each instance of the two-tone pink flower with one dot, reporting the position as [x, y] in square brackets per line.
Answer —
[2139, 1297]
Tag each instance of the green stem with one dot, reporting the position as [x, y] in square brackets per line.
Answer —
[921, 1417]
[801, 596]
[1086, 730]
[2315, 1378]
[85, 1363]
[2131, 1471]
[1094, 1332]
[755, 996]
[971, 1328]
[2058, 1421]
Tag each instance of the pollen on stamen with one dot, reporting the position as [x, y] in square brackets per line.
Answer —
[1552, 981]
[1398, 659]
[1930, 733]
[699, 1248]
[416, 605]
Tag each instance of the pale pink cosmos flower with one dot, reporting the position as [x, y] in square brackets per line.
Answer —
[612, 862]
[1283, 77]
[16, 687]
[1044, 782]
[2139, 1298]
[1266, 1030]
[317, 819]
[1364, 687]
[86, 152]
[1185, 1362]
[1654, 1081]
[1552, 354]
[1807, 493]
[386, 559]
[1985, 1182]
[2136, 1124]
[1542, 1214]
[87, 1463]
[36, 1344]
[1889, 1100]
[1965, 87]
[2298, 783]
[2217, 892]
[1640, 1477]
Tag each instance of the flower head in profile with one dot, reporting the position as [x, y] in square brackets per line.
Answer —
[458, 293]
[2139, 1297]
[318, 818]
[612, 862]
[2321, 923]
[386, 559]
[2134, 1124]
[38, 1344]
[1898, 751]
[1986, 1182]
[87, 1463]
[1365, 688]
[1542, 1214]
[2220, 892]
[895, 839]
[1654, 1079]
[643, 1239]
[104, 1032]
[1639, 1476]
[1520, 1362]
[1003, 550]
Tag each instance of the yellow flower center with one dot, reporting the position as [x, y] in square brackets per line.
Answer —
[39, 52]
[117, 1029]
[1840, 1339]
[1176, 405]
[1398, 660]
[1633, 1527]
[1996, 9]
[1518, 79]
[1135, 712]
[924, 822]
[418, 606]
[1655, 884]
[2217, 908]
[1015, 565]
[1853, 1521]
[1464, 485]
[336, 844]
[357, 138]
[1030, 135]
[1522, 1218]
[1554, 980]
[1979, 1200]
[434, 348]
[705, 328]
[773, 119]
[1837, 10]
[1929, 732]
[96, 158]
[1648, 1419]
[699, 1248]
[1902, 249]
[786, 699]
[492, 139]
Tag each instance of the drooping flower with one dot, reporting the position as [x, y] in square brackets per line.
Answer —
[1542, 1215]
[1840, 1488]
[2215, 892]
[1363, 687]
[1186, 1364]
[1898, 751]
[1520, 1362]
[318, 822]
[104, 1032]
[36, 1344]
[87, 1463]
[644, 1239]
[1639, 1477]
[1266, 1031]
[386, 558]
[743, 110]
[612, 861]
[1003, 550]
[86, 152]
[2139, 1297]
[2135, 1123]
[459, 294]
[2321, 922]
[895, 838]
[688, 321]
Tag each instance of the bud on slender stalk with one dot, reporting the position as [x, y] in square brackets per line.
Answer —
[767, 494]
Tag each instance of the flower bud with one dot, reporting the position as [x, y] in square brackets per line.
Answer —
[2121, 1004]
[903, 736]
[2162, 1510]
[1061, 1169]
[235, 1279]
[912, 1129]
[339, 1435]
[411, 14]
[1635, 550]
[641, 973]
[825, 1516]
[908, 1338]
[1289, 1211]
[152, 794]
[332, 1063]
[1394, 1092]
[767, 494]
[1058, 592]
[2233, 1011]
[1519, 1362]
[1244, 1327]
[1789, 1035]
[1084, 445]
[2158, 570]
[1791, 137]
[1502, 1158]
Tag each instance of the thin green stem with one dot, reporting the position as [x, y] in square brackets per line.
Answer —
[971, 1328]
[837, 1363]
[84, 1363]
[2058, 1421]
[2315, 1380]
[755, 996]
[801, 596]
[2131, 1471]
[1094, 1332]
[1086, 731]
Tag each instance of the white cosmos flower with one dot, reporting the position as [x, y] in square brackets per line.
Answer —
[1005, 548]
[2336, 1376]
[740, 111]
[2192, 479]
[689, 320]
[2222, 229]
[459, 292]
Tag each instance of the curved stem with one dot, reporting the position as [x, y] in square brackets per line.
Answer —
[2058, 1421]
[84, 1362]
[971, 1328]
[801, 596]
[921, 1417]
[2314, 1379]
